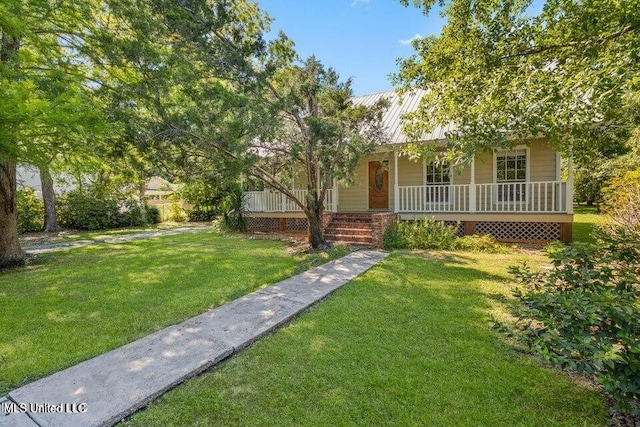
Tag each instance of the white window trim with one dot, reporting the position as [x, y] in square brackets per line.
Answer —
[449, 184]
[527, 172]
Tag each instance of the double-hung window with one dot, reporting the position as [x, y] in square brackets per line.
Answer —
[511, 175]
[438, 179]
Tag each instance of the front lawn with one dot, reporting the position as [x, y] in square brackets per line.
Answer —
[73, 305]
[407, 343]
[584, 219]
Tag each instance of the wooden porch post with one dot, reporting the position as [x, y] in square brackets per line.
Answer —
[570, 184]
[396, 187]
[472, 186]
[334, 201]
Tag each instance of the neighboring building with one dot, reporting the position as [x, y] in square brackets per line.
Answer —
[515, 195]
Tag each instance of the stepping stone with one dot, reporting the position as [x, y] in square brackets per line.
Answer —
[124, 380]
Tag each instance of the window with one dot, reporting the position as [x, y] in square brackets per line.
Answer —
[511, 172]
[437, 178]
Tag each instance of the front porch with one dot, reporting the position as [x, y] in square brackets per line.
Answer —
[515, 195]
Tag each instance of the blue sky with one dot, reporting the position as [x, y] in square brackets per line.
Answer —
[361, 39]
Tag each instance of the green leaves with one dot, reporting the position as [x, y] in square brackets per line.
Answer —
[582, 314]
[496, 70]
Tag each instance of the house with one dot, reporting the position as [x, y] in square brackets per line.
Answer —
[515, 195]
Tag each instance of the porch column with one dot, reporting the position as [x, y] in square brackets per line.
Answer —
[570, 184]
[396, 187]
[334, 202]
[472, 186]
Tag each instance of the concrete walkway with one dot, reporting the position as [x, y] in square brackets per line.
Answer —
[110, 239]
[103, 390]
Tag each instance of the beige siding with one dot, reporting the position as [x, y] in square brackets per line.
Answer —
[409, 172]
[543, 162]
[355, 198]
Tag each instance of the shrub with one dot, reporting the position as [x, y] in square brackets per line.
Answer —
[424, 234]
[86, 211]
[622, 191]
[480, 243]
[177, 213]
[132, 214]
[202, 214]
[153, 215]
[30, 210]
[233, 211]
[583, 314]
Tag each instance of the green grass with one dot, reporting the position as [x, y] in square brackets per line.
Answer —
[35, 239]
[73, 305]
[407, 343]
[584, 219]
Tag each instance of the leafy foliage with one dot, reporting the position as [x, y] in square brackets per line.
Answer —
[233, 209]
[30, 211]
[88, 210]
[497, 70]
[153, 215]
[424, 234]
[432, 234]
[582, 315]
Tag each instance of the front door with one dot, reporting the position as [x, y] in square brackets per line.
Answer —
[379, 185]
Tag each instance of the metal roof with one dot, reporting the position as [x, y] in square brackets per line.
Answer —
[394, 115]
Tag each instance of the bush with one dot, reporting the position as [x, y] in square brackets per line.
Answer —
[233, 210]
[621, 191]
[424, 234]
[85, 211]
[30, 211]
[153, 215]
[202, 214]
[177, 213]
[132, 214]
[583, 314]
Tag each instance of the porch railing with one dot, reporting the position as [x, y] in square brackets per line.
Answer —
[275, 201]
[516, 197]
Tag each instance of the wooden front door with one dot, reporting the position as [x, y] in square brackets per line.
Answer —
[379, 185]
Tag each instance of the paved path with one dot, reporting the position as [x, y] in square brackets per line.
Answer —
[110, 239]
[116, 384]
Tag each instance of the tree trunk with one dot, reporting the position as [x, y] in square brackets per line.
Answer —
[316, 227]
[49, 198]
[10, 251]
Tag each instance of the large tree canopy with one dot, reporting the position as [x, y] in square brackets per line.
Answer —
[497, 72]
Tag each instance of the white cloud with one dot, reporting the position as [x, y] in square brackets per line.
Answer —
[409, 41]
[356, 2]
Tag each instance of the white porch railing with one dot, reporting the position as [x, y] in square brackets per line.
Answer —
[275, 201]
[519, 197]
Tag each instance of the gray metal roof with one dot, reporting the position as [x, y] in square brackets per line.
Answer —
[394, 114]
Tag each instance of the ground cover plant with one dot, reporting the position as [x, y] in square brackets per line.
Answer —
[407, 343]
[66, 307]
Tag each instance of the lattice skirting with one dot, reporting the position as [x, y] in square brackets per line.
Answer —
[458, 225]
[300, 224]
[273, 224]
[520, 231]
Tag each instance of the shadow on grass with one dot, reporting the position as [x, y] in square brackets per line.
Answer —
[407, 343]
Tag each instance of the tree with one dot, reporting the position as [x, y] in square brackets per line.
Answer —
[205, 91]
[44, 99]
[494, 71]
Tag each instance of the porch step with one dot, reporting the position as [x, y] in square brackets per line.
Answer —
[350, 238]
[349, 231]
[354, 228]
